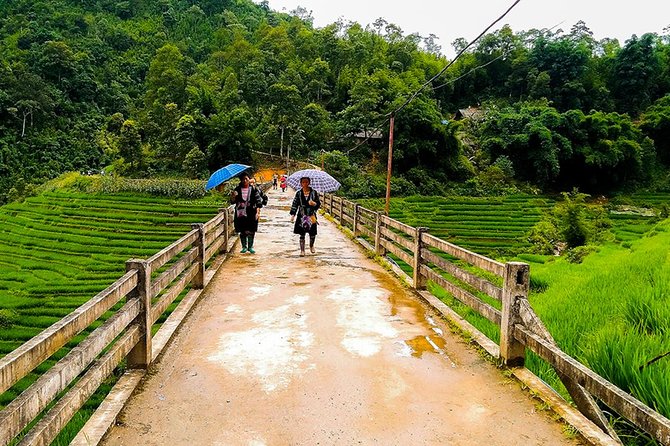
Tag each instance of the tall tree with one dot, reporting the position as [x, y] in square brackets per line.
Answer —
[636, 69]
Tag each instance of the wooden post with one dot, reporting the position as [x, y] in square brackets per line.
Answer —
[419, 280]
[342, 212]
[515, 287]
[226, 232]
[224, 246]
[140, 356]
[379, 249]
[355, 224]
[199, 279]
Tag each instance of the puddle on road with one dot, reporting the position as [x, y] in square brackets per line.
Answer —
[423, 344]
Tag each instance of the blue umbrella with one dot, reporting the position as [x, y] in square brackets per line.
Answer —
[320, 181]
[224, 174]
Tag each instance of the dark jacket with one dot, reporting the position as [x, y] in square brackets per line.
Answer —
[246, 223]
[301, 207]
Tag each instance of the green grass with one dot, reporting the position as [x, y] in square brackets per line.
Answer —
[618, 302]
[59, 249]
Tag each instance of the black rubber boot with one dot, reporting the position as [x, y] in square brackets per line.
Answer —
[302, 247]
[311, 244]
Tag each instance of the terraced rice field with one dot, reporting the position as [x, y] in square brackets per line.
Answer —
[628, 225]
[493, 226]
[497, 227]
[59, 249]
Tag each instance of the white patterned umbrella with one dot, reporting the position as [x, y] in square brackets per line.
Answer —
[320, 181]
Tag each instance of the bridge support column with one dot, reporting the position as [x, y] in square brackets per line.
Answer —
[199, 279]
[515, 287]
[140, 356]
[418, 278]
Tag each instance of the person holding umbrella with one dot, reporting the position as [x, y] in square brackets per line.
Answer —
[248, 203]
[305, 204]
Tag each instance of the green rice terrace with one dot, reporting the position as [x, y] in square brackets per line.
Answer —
[58, 249]
[497, 227]
[492, 226]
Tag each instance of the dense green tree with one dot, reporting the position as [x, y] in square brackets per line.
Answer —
[609, 152]
[166, 81]
[565, 61]
[130, 143]
[636, 69]
[195, 163]
[529, 135]
[655, 123]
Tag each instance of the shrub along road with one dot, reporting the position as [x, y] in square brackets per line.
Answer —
[322, 349]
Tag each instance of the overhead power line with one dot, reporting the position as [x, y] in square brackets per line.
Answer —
[469, 72]
[446, 67]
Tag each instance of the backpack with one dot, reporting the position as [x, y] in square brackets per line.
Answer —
[264, 198]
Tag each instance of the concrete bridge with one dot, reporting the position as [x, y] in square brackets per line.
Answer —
[330, 348]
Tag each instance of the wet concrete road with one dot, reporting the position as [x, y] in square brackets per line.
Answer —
[326, 349]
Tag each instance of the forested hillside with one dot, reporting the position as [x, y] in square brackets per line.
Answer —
[177, 87]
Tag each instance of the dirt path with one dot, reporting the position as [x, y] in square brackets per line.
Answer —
[322, 350]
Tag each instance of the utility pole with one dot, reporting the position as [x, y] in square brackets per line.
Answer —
[390, 164]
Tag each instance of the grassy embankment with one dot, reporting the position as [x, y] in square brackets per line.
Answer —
[58, 249]
[611, 312]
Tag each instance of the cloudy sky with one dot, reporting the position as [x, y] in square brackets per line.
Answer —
[449, 19]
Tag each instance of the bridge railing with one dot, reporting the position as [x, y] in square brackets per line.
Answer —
[39, 413]
[499, 293]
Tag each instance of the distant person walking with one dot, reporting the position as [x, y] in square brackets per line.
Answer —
[305, 204]
[274, 181]
[282, 183]
[248, 203]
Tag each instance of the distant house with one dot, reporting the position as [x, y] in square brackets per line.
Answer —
[474, 113]
[366, 134]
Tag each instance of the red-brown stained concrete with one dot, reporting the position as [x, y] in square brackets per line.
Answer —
[322, 350]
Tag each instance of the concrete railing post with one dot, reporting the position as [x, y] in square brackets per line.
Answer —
[199, 279]
[418, 278]
[515, 287]
[355, 223]
[140, 356]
